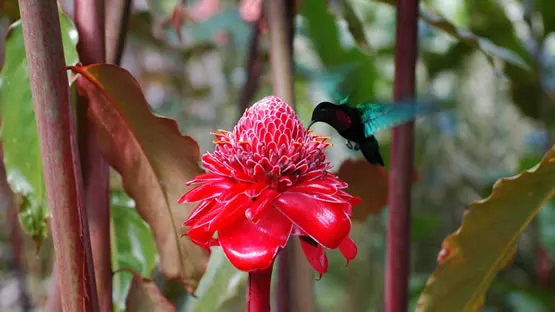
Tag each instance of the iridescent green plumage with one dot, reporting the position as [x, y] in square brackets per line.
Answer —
[353, 116]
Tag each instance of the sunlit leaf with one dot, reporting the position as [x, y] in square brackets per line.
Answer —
[487, 239]
[154, 160]
[144, 295]
[132, 245]
[490, 49]
[19, 131]
[219, 285]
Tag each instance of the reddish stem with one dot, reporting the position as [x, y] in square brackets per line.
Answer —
[402, 149]
[89, 20]
[258, 290]
[49, 86]
[117, 22]
[254, 69]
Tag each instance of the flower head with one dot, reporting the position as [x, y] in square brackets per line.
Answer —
[268, 180]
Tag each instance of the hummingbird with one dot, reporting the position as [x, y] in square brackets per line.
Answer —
[358, 120]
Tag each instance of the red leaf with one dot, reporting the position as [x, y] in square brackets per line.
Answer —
[369, 183]
[145, 296]
[155, 162]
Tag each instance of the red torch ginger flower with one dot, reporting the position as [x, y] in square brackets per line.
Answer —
[265, 181]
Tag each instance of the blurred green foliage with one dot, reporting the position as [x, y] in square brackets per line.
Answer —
[471, 52]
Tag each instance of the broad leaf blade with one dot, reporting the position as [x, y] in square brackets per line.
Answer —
[132, 245]
[144, 296]
[323, 32]
[154, 160]
[357, 173]
[19, 131]
[354, 24]
[487, 240]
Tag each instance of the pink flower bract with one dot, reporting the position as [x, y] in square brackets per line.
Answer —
[265, 181]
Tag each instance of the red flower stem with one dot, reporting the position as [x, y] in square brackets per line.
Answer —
[89, 21]
[402, 149]
[49, 87]
[258, 290]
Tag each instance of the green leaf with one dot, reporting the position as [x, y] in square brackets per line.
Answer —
[489, 20]
[487, 240]
[547, 11]
[485, 45]
[145, 296]
[323, 32]
[221, 284]
[354, 24]
[132, 246]
[19, 131]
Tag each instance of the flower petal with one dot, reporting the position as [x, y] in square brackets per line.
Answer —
[205, 177]
[200, 210]
[326, 223]
[313, 187]
[201, 235]
[315, 255]
[208, 217]
[205, 191]
[348, 249]
[250, 246]
[209, 162]
[260, 204]
[232, 212]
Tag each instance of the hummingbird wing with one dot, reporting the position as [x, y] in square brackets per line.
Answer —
[379, 116]
[340, 82]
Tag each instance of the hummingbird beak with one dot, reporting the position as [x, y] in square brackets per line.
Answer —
[310, 124]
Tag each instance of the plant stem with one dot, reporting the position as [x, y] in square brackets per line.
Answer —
[54, 303]
[402, 150]
[89, 20]
[281, 58]
[117, 22]
[258, 290]
[49, 86]
[254, 69]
